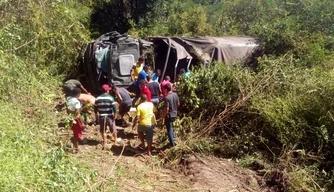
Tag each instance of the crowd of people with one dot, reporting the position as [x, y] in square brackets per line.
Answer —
[155, 103]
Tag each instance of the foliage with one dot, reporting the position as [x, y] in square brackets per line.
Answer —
[118, 15]
[174, 18]
[38, 41]
[28, 162]
[285, 103]
[55, 32]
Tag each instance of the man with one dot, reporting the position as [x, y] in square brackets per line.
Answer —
[73, 108]
[137, 68]
[172, 102]
[146, 120]
[125, 102]
[155, 90]
[162, 84]
[105, 112]
[88, 102]
[183, 73]
[69, 85]
[141, 76]
[156, 75]
[144, 90]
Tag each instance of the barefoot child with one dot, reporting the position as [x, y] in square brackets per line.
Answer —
[73, 108]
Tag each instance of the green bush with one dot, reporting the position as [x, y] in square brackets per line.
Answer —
[289, 107]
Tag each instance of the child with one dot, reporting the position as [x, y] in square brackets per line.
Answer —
[73, 108]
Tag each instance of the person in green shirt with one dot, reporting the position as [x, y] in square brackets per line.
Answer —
[69, 85]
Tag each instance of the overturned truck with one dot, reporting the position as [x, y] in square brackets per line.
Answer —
[110, 58]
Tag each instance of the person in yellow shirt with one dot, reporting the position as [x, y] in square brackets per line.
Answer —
[137, 69]
[146, 121]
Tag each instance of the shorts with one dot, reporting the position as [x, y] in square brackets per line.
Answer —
[107, 122]
[148, 131]
[124, 109]
[77, 127]
[155, 102]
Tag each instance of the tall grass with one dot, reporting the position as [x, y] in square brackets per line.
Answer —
[29, 160]
[39, 42]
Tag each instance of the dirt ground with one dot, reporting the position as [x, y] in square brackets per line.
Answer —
[122, 168]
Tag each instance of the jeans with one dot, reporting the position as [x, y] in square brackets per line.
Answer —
[170, 131]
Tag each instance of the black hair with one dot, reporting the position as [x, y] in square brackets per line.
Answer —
[149, 77]
[143, 97]
[182, 71]
[145, 68]
[75, 92]
[113, 87]
[142, 81]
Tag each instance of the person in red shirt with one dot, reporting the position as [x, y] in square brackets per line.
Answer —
[145, 90]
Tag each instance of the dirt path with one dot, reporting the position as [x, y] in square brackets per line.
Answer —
[122, 169]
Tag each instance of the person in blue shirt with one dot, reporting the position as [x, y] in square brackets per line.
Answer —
[184, 73]
[156, 75]
[141, 76]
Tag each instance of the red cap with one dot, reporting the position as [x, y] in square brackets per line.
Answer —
[106, 87]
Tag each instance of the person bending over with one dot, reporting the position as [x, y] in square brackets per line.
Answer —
[125, 102]
[69, 85]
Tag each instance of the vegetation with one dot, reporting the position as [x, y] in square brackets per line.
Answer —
[280, 112]
[38, 41]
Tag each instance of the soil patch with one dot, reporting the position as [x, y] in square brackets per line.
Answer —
[214, 174]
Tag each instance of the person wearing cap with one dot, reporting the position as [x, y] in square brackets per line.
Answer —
[73, 108]
[172, 102]
[146, 120]
[136, 69]
[69, 85]
[105, 112]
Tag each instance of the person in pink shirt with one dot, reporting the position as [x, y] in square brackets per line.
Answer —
[162, 84]
[161, 105]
